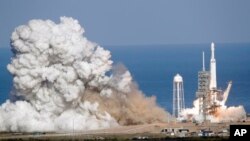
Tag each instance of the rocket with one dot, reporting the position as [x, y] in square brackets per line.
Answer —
[213, 81]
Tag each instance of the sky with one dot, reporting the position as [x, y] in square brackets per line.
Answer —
[138, 22]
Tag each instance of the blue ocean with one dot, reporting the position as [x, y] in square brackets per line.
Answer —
[154, 66]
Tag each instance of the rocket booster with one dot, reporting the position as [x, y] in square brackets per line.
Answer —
[213, 81]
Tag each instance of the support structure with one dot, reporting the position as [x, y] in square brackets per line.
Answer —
[203, 92]
[178, 96]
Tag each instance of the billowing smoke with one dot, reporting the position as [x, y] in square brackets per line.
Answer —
[61, 83]
[221, 114]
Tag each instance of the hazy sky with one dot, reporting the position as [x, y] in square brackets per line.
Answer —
[133, 22]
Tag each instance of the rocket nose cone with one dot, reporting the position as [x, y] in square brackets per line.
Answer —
[212, 45]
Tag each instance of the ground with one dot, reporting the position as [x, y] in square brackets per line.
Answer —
[146, 131]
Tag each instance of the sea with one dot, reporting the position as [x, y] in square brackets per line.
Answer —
[154, 66]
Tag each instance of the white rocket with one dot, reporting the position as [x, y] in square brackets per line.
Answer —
[213, 81]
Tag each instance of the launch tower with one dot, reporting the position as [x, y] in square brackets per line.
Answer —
[203, 89]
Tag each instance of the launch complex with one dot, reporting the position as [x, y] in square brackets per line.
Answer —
[209, 96]
[209, 99]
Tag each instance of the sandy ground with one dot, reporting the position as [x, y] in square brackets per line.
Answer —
[150, 130]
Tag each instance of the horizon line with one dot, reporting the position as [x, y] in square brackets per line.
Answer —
[159, 44]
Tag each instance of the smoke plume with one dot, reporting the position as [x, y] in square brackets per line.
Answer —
[222, 113]
[61, 83]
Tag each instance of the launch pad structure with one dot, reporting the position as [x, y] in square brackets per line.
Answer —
[203, 92]
[209, 97]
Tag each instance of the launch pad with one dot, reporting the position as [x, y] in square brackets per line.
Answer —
[209, 96]
[209, 105]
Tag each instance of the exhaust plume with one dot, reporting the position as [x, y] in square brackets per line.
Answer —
[222, 113]
[61, 83]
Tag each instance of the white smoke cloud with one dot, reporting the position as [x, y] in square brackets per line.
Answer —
[222, 113]
[61, 78]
